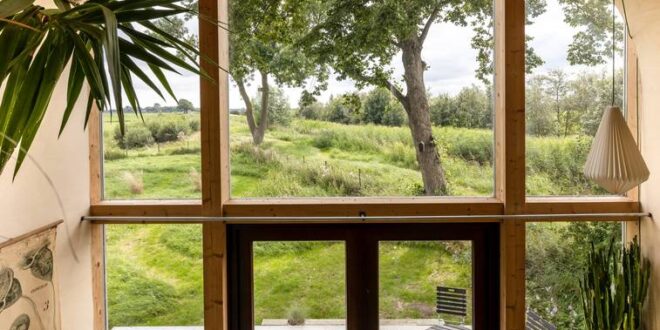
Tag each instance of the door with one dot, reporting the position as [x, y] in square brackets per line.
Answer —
[364, 276]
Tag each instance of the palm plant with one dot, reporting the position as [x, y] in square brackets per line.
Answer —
[614, 287]
[105, 42]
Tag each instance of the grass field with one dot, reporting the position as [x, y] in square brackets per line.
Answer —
[154, 272]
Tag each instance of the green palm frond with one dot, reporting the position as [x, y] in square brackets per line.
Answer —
[102, 40]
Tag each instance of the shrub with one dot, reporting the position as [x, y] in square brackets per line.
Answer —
[134, 181]
[195, 179]
[137, 136]
[324, 140]
[168, 130]
[394, 114]
[185, 151]
[296, 316]
[194, 124]
[467, 144]
[114, 154]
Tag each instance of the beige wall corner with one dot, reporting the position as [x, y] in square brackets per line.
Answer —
[29, 202]
[644, 20]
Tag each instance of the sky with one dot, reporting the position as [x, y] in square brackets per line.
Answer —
[447, 51]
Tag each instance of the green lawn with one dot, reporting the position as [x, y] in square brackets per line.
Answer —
[155, 271]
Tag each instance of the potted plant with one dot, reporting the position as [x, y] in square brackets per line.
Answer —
[99, 42]
[614, 287]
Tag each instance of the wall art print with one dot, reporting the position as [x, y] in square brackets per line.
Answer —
[28, 289]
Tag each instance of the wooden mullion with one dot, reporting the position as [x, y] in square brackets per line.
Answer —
[213, 43]
[510, 144]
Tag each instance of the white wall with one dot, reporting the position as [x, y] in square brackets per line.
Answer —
[29, 202]
[644, 20]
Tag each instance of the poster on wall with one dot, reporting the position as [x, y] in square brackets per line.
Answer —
[28, 286]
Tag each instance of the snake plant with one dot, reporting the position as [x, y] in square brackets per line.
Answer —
[614, 287]
[103, 43]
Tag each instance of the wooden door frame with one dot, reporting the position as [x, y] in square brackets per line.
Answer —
[362, 267]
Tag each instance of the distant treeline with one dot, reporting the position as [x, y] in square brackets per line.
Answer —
[558, 104]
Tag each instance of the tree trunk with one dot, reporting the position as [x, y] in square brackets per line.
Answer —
[257, 130]
[419, 119]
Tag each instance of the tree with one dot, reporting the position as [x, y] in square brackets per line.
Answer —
[556, 85]
[279, 112]
[539, 119]
[157, 107]
[375, 104]
[346, 39]
[261, 43]
[185, 106]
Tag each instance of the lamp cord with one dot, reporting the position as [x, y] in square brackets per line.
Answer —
[613, 51]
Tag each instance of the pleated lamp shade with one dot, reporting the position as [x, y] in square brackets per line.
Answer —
[614, 162]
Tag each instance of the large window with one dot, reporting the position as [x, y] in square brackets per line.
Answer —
[568, 86]
[154, 275]
[340, 127]
[314, 112]
[158, 157]
[556, 260]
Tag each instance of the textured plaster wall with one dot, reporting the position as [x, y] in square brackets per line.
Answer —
[29, 202]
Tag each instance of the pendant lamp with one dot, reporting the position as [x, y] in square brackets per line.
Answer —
[615, 162]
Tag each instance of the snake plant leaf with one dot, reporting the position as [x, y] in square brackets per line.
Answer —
[22, 322]
[106, 42]
[40, 263]
[10, 289]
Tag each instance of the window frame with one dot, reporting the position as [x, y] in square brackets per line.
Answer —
[509, 199]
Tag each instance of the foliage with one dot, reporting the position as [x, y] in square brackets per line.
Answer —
[554, 252]
[279, 111]
[94, 35]
[185, 106]
[614, 287]
[137, 136]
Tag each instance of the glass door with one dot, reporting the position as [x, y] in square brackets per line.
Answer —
[364, 276]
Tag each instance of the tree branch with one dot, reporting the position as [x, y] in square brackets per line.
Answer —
[397, 93]
[427, 26]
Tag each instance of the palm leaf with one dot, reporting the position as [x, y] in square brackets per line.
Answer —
[37, 43]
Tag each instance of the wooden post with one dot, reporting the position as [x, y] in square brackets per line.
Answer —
[510, 157]
[214, 133]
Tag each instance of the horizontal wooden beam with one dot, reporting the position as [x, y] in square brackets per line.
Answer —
[363, 207]
[568, 205]
[162, 208]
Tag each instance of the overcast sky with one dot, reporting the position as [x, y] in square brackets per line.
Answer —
[447, 51]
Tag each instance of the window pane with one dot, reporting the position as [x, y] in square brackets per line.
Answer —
[299, 283]
[342, 120]
[417, 279]
[154, 275]
[568, 86]
[556, 258]
[158, 157]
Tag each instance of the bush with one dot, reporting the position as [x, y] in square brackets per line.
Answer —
[137, 136]
[194, 124]
[167, 130]
[394, 114]
[114, 154]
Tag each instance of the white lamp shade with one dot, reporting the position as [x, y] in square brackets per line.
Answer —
[615, 162]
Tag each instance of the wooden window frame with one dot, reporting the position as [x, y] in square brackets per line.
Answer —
[509, 198]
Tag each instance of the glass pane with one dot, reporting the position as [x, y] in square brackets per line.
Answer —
[367, 113]
[418, 279]
[556, 257]
[158, 157]
[154, 275]
[299, 283]
[569, 84]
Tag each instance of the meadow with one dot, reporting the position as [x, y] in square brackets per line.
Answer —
[154, 272]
